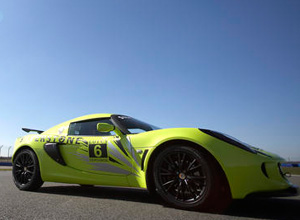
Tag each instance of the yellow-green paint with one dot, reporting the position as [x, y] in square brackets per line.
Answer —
[242, 168]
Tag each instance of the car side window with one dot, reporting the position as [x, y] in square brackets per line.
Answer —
[89, 128]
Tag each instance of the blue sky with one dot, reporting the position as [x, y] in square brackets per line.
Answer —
[232, 66]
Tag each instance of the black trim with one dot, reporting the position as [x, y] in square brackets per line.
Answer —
[227, 140]
[119, 144]
[291, 191]
[259, 152]
[90, 119]
[143, 159]
[29, 129]
[116, 122]
[52, 150]
[84, 150]
[113, 160]
[263, 169]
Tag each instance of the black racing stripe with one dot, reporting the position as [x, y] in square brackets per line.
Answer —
[83, 142]
[227, 139]
[119, 144]
[143, 159]
[84, 150]
[113, 160]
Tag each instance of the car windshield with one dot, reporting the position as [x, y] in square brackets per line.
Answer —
[134, 126]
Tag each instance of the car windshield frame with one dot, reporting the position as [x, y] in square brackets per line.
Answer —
[125, 123]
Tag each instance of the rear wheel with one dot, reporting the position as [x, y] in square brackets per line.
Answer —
[187, 178]
[26, 171]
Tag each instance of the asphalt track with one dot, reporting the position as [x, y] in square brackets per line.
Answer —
[65, 201]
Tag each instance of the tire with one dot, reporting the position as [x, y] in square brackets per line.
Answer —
[86, 185]
[187, 178]
[26, 171]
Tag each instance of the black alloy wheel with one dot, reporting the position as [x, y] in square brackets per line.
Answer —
[26, 172]
[185, 178]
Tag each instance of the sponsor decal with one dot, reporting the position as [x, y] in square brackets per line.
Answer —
[67, 140]
[62, 129]
[96, 149]
[61, 140]
[104, 154]
[98, 153]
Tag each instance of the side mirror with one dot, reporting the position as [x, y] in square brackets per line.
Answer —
[105, 127]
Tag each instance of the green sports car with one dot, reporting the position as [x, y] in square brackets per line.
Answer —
[189, 168]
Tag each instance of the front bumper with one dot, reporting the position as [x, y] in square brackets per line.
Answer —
[293, 190]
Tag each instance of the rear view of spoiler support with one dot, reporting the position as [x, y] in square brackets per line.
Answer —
[28, 130]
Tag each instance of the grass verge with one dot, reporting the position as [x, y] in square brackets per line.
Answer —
[8, 169]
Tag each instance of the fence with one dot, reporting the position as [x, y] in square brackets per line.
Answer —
[5, 155]
[5, 151]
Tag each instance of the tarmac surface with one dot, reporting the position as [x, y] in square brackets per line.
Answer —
[5, 167]
[68, 201]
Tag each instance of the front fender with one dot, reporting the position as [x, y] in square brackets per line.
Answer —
[243, 169]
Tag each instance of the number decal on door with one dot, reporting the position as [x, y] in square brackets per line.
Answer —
[98, 150]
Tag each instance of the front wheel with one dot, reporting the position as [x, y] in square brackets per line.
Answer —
[26, 171]
[187, 178]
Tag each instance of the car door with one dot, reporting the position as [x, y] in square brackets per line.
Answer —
[89, 150]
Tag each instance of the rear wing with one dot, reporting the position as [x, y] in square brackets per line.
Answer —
[28, 130]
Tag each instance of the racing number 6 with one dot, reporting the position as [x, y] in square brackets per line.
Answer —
[97, 151]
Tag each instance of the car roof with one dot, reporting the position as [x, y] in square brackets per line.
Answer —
[63, 127]
[92, 116]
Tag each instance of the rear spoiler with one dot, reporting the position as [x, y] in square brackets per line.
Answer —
[28, 130]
